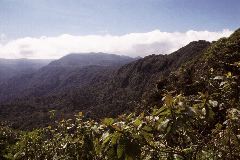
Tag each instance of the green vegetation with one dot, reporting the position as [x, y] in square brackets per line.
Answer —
[183, 128]
[197, 117]
[98, 91]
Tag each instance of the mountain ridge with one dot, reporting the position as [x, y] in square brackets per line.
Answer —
[52, 75]
[103, 92]
[185, 105]
[88, 59]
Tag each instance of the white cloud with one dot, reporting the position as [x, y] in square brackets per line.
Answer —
[133, 44]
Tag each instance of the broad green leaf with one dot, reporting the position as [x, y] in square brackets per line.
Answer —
[147, 128]
[108, 121]
[115, 137]
[158, 111]
[120, 150]
[147, 136]
[137, 122]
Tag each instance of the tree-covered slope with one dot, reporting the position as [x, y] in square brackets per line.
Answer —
[197, 117]
[70, 85]
[73, 70]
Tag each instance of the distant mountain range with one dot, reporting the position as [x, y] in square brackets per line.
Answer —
[104, 85]
[13, 67]
[184, 105]
[74, 70]
[92, 59]
[98, 84]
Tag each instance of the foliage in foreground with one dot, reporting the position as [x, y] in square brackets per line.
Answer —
[204, 126]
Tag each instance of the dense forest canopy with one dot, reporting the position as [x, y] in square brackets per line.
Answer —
[188, 108]
[86, 83]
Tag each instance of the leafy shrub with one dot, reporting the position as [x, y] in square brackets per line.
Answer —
[184, 127]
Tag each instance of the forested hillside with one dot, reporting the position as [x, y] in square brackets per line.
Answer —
[95, 84]
[25, 99]
[193, 113]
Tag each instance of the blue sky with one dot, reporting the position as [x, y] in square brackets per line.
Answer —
[54, 28]
[20, 18]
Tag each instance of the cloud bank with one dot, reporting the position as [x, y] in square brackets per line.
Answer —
[133, 44]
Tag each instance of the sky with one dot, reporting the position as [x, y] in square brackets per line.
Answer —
[54, 28]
